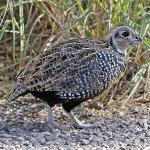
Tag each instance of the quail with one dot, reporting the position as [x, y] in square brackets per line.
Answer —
[74, 71]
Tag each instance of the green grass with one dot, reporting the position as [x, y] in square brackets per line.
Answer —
[26, 25]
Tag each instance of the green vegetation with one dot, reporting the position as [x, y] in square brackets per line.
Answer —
[26, 25]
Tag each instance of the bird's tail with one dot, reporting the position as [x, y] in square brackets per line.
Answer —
[17, 91]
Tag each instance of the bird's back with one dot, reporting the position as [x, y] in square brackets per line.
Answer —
[77, 69]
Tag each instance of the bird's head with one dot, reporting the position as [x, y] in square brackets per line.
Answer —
[121, 37]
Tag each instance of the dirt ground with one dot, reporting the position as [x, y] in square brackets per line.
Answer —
[23, 125]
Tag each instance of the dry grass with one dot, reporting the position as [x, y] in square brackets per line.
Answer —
[26, 25]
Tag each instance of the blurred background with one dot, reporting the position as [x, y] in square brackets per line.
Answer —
[25, 25]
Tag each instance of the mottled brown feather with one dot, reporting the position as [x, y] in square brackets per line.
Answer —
[54, 69]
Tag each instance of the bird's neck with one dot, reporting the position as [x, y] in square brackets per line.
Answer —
[121, 50]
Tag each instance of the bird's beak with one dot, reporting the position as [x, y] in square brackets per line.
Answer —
[136, 40]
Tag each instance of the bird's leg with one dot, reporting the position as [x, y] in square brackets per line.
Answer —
[52, 125]
[50, 117]
[77, 124]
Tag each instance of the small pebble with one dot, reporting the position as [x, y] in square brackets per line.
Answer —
[20, 139]
[84, 142]
[147, 134]
[131, 131]
[42, 141]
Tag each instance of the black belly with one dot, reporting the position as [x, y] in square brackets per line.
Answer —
[52, 98]
[49, 96]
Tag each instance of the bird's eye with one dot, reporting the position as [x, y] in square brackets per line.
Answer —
[125, 34]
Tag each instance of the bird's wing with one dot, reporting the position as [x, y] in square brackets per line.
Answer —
[57, 68]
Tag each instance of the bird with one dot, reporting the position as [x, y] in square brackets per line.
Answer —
[74, 71]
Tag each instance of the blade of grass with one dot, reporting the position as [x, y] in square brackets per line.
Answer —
[34, 24]
[134, 84]
[144, 28]
[10, 31]
[22, 36]
[85, 25]
[13, 28]
[7, 22]
[3, 14]
[42, 7]
[110, 14]
[79, 4]
[30, 11]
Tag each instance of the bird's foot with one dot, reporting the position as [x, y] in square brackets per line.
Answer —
[77, 124]
[81, 125]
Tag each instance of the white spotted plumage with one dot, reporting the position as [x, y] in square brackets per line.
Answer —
[75, 71]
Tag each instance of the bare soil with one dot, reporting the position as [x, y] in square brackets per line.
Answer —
[23, 125]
